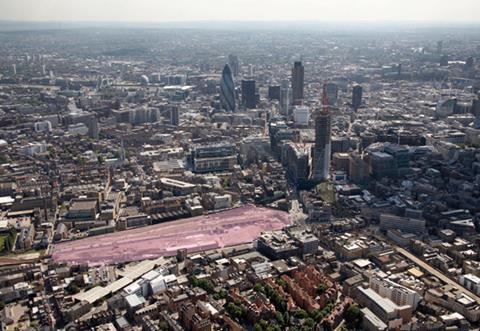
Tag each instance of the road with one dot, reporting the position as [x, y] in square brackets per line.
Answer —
[436, 273]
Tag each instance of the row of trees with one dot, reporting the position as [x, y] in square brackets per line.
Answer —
[9, 240]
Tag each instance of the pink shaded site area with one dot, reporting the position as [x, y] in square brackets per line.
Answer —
[228, 228]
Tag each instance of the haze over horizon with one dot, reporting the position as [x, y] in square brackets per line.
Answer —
[462, 11]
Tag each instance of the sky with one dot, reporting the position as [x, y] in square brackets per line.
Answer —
[462, 11]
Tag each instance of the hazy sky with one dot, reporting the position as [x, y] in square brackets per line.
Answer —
[250, 10]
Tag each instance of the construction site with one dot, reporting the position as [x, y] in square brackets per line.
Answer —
[227, 228]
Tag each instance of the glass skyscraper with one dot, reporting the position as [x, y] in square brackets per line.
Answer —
[227, 89]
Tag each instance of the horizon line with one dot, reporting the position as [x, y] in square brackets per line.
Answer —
[324, 21]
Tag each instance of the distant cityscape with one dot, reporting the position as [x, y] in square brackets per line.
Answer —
[245, 178]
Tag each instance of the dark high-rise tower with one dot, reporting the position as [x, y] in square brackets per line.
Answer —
[357, 94]
[174, 115]
[322, 149]
[274, 92]
[298, 73]
[248, 93]
[227, 90]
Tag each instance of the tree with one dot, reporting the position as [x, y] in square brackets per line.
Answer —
[309, 322]
[273, 327]
[258, 288]
[260, 326]
[300, 313]
[353, 317]
[72, 288]
[204, 284]
[279, 318]
[321, 288]
[237, 311]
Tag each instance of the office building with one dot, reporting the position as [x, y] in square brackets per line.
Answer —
[227, 90]
[322, 148]
[357, 94]
[295, 160]
[89, 119]
[359, 171]
[445, 107]
[399, 294]
[331, 91]
[274, 92]
[401, 156]
[248, 93]
[174, 115]
[221, 157]
[301, 115]
[383, 165]
[298, 73]
[470, 282]
[285, 97]
[384, 308]
[404, 224]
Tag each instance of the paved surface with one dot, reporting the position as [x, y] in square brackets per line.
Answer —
[228, 228]
[19, 259]
[436, 273]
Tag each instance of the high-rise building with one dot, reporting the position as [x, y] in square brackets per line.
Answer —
[248, 93]
[274, 92]
[295, 159]
[331, 90]
[357, 94]
[322, 148]
[298, 73]
[285, 100]
[227, 90]
[234, 65]
[14, 69]
[174, 115]
[440, 46]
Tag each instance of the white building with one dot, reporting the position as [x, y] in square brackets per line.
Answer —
[399, 294]
[33, 148]
[471, 282]
[301, 115]
[44, 126]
